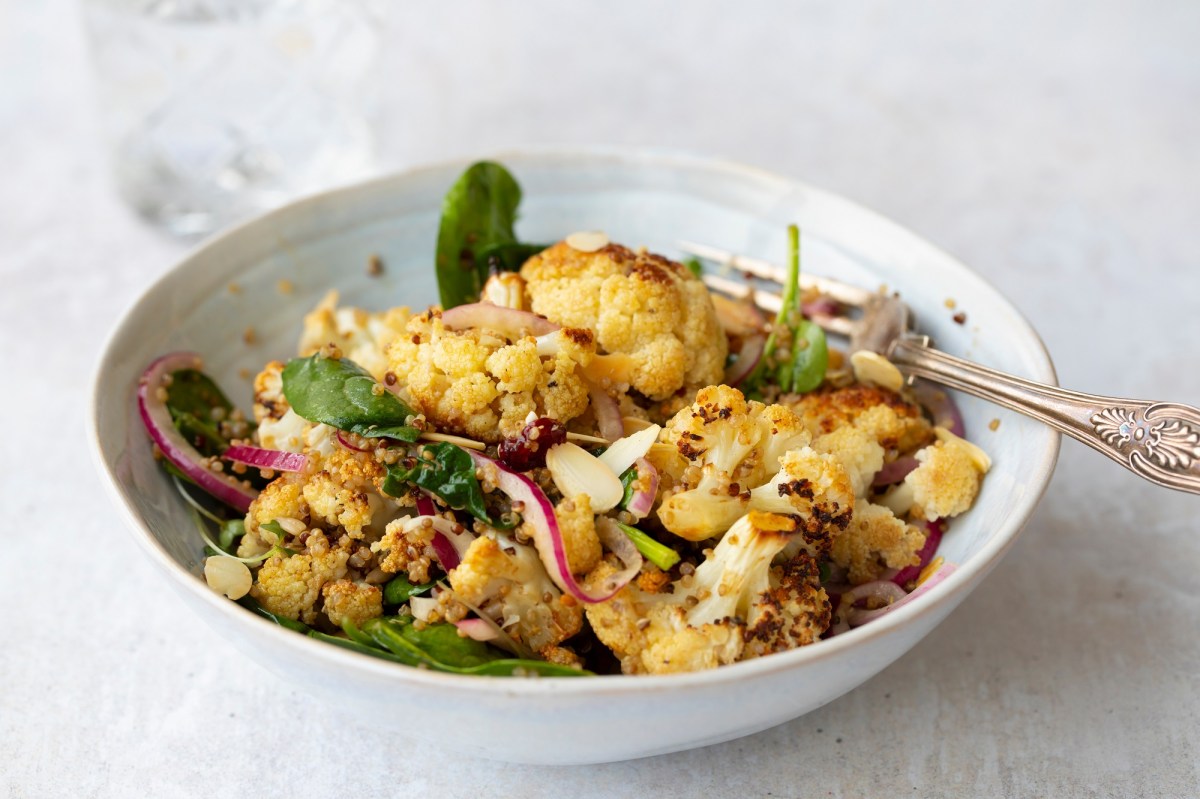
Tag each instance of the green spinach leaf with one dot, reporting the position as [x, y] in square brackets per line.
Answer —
[191, 399]
[449, 475]
[399, 590]
[508, 256]
[437, 647]
[440, 647]
[478, 215]
[341, 394]
[810, 358]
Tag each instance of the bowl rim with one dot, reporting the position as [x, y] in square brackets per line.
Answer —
[950, 590]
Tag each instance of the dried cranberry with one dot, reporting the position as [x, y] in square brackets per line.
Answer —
[528, 450]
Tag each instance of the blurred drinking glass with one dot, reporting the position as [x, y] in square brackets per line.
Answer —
[217, 109]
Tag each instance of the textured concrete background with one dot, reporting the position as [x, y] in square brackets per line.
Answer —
[1054, 146]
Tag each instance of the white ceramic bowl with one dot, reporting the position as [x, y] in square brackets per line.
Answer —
[648, 198]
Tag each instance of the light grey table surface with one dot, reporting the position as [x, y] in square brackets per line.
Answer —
[1054, 147]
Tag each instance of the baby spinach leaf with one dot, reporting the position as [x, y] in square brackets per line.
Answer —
[507, 256]
[399, 590]
[191, 399]
[789, 311]
[478, 214]
[449, 475]
[440, 643]
[192, 391]
[250, 604]
[436, 647]
[340, 393]
[810, 358]
[440, 647]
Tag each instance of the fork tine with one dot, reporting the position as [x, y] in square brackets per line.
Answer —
[842, 292]
[770, 302]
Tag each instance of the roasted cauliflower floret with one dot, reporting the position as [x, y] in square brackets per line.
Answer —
[338, 489]
[652, 318]
[947, 480]
[269, 402]
[291, 585]
[894, 424]
[793, 611]
[336, 505]
[283, 498]
[477, 383]
[876, 540]
[363, 336]
[858, 453]
[346, 600]
[506, 581]
[811, 487]
[406, 545]
[740, 456]
[577, 524]
[735, 605]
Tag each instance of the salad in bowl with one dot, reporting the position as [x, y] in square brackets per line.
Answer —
[582, 461]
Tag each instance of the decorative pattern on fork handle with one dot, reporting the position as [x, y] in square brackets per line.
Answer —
[1167, 442]
[1159, 441]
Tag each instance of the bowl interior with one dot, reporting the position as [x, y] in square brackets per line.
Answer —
[266, 274]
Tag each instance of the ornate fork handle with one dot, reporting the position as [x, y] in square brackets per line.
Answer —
[1158, 440]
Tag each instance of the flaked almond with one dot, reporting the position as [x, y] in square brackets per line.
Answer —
[506, 289]
[632, 424]
[228, 576]
[576, 471]
[874, 369]
[290, 525]
[587, 240]
[624, 451]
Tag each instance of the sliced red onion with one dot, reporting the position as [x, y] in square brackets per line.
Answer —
[450, 539]
[879, 590]
[478, 629]
[941, 407]
[860, 617]
[547, 538]
[448, 544]
[446, 554]
[895, 471]
[933, 538]
[822, 306]
[267, 458]
[174, 447]
[608, 413]
[642, 500]
[617, 542]
[509, 321]
[747, 359]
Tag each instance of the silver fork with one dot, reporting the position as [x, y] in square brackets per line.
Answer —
[1159, 441]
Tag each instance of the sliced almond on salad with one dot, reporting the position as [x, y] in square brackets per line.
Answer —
[587, 240]
[874, 369]
[576, 471]
[228, 576]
